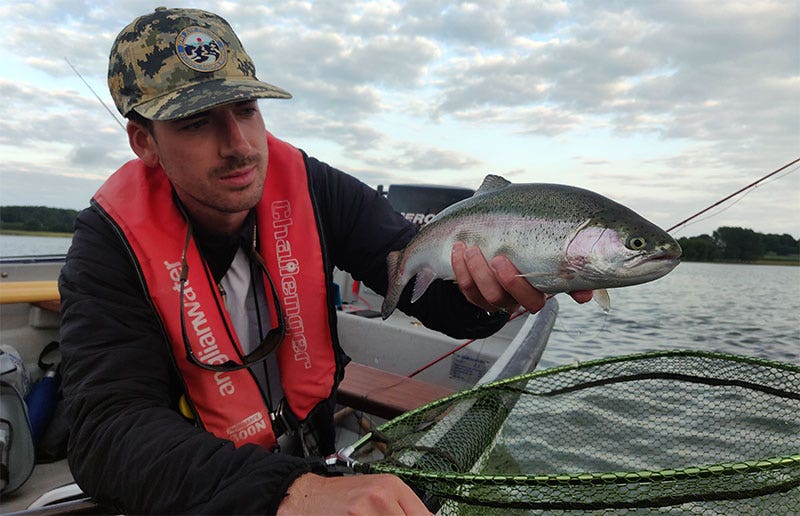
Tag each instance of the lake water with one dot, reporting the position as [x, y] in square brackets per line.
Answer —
[18, 245]
[749, 310]
[665, 423]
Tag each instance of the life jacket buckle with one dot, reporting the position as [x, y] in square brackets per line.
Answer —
[283, 419]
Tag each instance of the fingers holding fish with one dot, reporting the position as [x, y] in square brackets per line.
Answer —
[492, 287]
[464, 279]
[519, 288]
[582, 296]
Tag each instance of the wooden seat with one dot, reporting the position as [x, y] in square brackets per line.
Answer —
[385, 394]
[28, 291]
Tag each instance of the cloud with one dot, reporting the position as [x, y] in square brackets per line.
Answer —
[534, 120]
[412, 157]
[481, 24]
[340, 76]
[308, 124]
[668, 103]
[636, 61]
[29, 186]
[61, 117]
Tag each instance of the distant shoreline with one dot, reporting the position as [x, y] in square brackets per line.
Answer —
[19, 232]
[763, 261]
[788, 260]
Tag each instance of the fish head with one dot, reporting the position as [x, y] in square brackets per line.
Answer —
[623, 251]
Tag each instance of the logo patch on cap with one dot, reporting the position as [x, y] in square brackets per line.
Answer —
[200, 49]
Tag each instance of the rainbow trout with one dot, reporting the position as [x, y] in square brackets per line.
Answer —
[560, 237]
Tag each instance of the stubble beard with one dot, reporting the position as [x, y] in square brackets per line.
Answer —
[250, 194]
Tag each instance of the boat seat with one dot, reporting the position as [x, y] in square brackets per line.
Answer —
[385, 394]
[28, 291]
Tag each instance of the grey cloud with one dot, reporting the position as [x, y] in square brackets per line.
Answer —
[464, 22]
[290, 123]
[19, 184]
[49, 32]
[538, 120]
[720, 81]
[61, 116]
[391, 61]
[470, 24]
[595, 162]
[94, 156]
[647, 68]
[17, 94]
[339, 76]
[416, 158]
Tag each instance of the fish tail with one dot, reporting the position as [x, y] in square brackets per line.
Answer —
[395, 285]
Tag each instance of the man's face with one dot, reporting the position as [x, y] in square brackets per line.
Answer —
[216, 160]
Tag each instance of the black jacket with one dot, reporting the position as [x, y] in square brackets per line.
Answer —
[129, 446]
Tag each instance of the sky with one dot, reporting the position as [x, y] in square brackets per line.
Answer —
[664, 106]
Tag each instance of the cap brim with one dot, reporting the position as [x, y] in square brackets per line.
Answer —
[203, 96]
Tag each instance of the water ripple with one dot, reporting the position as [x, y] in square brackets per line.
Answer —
[751, 310]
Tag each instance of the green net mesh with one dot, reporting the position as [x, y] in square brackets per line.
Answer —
[682, 432]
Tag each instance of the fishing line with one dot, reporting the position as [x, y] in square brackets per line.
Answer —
[745, 194]
[459, 348]
[576, 334]
[720, 211]
[737, 192]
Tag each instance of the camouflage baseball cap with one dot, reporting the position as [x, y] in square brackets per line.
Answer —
[173, 63]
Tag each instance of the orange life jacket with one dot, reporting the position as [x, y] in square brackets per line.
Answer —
[139, 200]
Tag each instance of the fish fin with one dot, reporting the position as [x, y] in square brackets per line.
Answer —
[423, 280]
[491, 183]
[602, 298]
[395, 287]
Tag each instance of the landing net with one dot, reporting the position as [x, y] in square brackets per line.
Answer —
[667, 432]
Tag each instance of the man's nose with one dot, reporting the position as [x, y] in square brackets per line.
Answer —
[233, 138]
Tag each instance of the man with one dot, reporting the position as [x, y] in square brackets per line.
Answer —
[198, 332]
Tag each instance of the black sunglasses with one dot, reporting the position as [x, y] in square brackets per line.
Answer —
[268, 344]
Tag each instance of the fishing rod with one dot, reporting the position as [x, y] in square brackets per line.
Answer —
[751, 185]
[679, 224]
[521, 312]
[95, 94]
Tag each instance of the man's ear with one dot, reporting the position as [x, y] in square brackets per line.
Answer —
[143, 143]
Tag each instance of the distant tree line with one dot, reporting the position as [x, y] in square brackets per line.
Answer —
[739, 244]
[37, 218]
[724, 244]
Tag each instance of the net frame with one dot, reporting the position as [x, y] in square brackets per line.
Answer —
[766, 476]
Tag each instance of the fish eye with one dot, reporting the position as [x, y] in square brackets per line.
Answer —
[637, 243]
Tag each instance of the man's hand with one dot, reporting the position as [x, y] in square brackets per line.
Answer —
[365, 495]
[497, 285]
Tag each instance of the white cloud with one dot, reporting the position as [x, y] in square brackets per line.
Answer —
[672, 104]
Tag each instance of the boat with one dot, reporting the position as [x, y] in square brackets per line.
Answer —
[378, 383]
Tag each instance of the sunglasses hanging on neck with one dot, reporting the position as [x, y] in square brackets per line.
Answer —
[270, 341]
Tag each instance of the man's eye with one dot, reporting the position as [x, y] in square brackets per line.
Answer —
[193, 126]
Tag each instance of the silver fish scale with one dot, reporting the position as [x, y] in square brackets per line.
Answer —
[548, 201]
[534, 244]
[552, 202]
